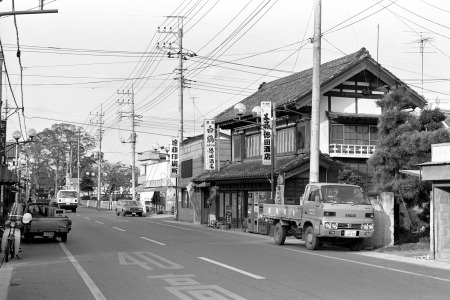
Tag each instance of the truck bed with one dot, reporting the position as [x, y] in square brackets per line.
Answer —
[282, 211]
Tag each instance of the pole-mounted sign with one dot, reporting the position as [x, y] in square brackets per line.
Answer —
[174, 157]
[210, 145]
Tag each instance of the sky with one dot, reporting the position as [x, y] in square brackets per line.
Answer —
[93, 57]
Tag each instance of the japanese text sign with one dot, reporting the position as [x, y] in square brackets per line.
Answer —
[266, 132]
[210, 145]
[174, 157]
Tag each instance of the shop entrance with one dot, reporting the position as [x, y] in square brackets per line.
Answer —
[230, 209]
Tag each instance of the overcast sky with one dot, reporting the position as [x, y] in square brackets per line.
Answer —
[76, 60]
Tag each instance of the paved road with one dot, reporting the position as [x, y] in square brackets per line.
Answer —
[110, 257]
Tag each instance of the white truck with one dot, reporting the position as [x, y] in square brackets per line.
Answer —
[67, 199]
[328, 213]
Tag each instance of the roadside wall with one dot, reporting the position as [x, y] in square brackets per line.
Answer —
[93, 203]
[383, 222]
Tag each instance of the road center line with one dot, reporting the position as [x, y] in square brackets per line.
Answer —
[89, 282]
[147, 239]
[365, 264]
[87, 218]
[119, 229]
[98, 222]
[232, 268]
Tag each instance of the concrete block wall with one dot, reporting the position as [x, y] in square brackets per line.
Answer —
[441, 200]
[383, 222]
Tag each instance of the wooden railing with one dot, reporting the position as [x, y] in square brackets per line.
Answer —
[347, 150]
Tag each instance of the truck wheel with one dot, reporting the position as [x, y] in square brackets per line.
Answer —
[311, 241]
[279, 234]
[124, 214]
[356, 245]
[74, 210]
[63, 237]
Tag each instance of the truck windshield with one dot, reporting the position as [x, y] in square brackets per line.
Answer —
[130, 203]
[343, 194]
[68, 194]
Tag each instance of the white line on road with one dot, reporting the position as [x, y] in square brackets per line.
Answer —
[364, 264]
[87, 218]
[99, 222]
[89, 282]
[147, 239]
[232, 268]
[79, 215]
[119, 229]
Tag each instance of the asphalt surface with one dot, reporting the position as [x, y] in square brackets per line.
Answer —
[131, 258]
[420, 261]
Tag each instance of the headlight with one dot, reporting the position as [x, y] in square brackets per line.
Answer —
[334, 225]
[13, 224]
[370, 226]
[364, 226]
[327, 225]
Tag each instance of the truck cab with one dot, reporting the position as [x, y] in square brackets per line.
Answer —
[67, 199]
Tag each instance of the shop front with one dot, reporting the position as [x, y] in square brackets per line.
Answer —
[237, 193]
[7, 189]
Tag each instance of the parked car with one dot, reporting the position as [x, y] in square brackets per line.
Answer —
[129, 207]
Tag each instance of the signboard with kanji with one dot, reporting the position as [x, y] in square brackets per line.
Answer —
[2, 142]
[266, 132]
[210, 145]
[174, 157]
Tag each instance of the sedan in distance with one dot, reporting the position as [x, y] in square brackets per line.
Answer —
[129, 207]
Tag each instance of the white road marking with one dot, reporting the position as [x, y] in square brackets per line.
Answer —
[87, 218]
[99, 222]
[147, 239]
[119, 229]
[232, 268]
[365, 264]
[79, 215]
[89, 282]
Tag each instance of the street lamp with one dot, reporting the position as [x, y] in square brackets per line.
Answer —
[267, 128]
[17, 135]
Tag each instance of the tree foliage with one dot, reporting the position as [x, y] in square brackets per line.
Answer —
[350, 177]
[56, 150]
[405, 141]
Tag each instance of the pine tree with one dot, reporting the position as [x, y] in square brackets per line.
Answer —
[405, 141]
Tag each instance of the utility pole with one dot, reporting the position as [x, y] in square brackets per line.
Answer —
[99, 121]
[315, 100]
[134, 119]
[182, 84]
[78, 166]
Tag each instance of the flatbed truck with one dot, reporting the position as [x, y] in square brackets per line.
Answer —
[328, 213]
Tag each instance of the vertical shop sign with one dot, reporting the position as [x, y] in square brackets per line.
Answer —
[174, 157]
[3, 142]
[266, 130]
[210, 145]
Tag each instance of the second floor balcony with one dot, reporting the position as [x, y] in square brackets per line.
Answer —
[348, 150]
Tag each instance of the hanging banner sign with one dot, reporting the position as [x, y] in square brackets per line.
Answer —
[210, 145]
[266, 132]
[174, 157]
[2, 142]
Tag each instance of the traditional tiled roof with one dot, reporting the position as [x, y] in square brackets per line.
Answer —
[255, 169]
[288, 90]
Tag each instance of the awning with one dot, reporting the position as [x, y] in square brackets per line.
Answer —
[141, 189]
[411, 172]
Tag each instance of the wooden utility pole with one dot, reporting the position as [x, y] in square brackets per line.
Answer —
[133, 117]
[315, 100]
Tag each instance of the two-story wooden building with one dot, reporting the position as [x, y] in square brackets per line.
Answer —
[350, 87]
